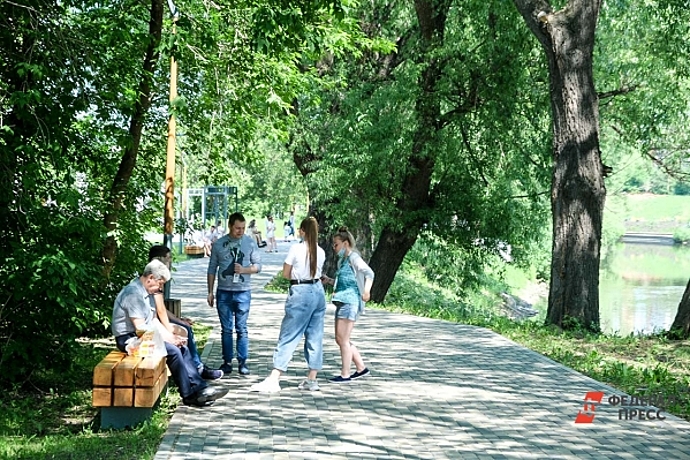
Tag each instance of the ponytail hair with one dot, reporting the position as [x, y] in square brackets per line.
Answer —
[311, 233]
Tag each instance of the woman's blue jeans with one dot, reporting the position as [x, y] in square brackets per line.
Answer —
[233, 312]
[191, 342]
[305, 309]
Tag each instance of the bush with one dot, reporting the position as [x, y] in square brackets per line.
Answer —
[682, 235]
[54, 291]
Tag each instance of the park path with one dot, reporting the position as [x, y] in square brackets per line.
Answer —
[438, 390]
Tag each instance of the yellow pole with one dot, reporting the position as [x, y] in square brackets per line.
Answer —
[170, 162]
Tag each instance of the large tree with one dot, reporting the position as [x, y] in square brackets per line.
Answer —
[577, 186]
[444, 134]
[130, 149]
[83, 105]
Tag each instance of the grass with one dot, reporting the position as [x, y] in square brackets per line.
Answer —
[53, 418]
[647, 213]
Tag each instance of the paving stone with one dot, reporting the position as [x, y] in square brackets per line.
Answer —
[437, 390]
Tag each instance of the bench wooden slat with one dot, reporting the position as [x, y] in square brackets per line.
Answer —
[147, 396]
[102, 396]
[148, 371]
[124, 371]
[103, 372]
[123, 397]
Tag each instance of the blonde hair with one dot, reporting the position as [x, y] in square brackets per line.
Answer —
[310, 227]
[343, 234]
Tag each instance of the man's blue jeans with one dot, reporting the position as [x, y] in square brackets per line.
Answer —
[305, 309]
[181, 365]
[233, 312]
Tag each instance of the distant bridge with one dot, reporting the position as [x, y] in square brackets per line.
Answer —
[648, 238]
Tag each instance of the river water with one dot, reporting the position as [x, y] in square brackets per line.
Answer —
[640, 287]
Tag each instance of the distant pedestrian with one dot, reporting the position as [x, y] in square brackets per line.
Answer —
[255, 233]
[291, 220]
[287, 231]
[351, 289]
[209, 239]
[234, 257]
[305, 308]
[271, 235]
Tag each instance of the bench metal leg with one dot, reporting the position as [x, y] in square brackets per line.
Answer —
[124, 417]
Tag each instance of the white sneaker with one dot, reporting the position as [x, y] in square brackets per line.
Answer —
[268, 385]
[309, 385]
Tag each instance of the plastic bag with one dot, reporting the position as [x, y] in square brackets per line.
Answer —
[150, 343]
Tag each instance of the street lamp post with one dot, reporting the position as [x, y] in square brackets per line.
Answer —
[169, 222]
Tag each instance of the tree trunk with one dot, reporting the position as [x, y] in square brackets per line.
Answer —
[680, 329]
[136, 126]
[577, 188]
[387, 258]
[416, 200]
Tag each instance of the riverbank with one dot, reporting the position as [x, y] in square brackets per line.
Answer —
[648, 213]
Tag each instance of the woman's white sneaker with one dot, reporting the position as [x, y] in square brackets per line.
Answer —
[266, 386]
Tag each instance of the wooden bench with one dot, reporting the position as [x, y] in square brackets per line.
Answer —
[127, 388]
[195, 252]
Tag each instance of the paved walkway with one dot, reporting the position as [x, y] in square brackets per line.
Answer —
[437, 391]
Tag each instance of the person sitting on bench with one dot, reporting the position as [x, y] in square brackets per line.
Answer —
[168, 318]
[134, 310]
[256, 233]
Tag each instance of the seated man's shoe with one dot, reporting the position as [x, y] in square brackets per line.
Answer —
[211, 374]
[226, 368]
[243, 369]
[205, 397]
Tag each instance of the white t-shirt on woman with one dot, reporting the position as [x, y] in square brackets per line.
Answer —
[297, 258]
[270, 229]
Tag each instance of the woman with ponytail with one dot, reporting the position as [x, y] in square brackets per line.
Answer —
[305, 309]
[352, 287]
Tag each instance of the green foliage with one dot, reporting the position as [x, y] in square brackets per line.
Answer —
[55, 419]
[69, 83]
[417, 290]
[642, 75]
[359, 139]
[682, 235]
[278, 284]
[274, 186]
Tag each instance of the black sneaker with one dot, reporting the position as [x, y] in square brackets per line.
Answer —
[340, 379]
[357, 375]
[205, 397]
[211, 374]
[242, 368]
[226, 368]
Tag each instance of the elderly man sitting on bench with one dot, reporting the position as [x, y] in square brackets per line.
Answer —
[134, 310]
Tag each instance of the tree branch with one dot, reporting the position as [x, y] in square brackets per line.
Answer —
[674, 173]
[617, 92]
